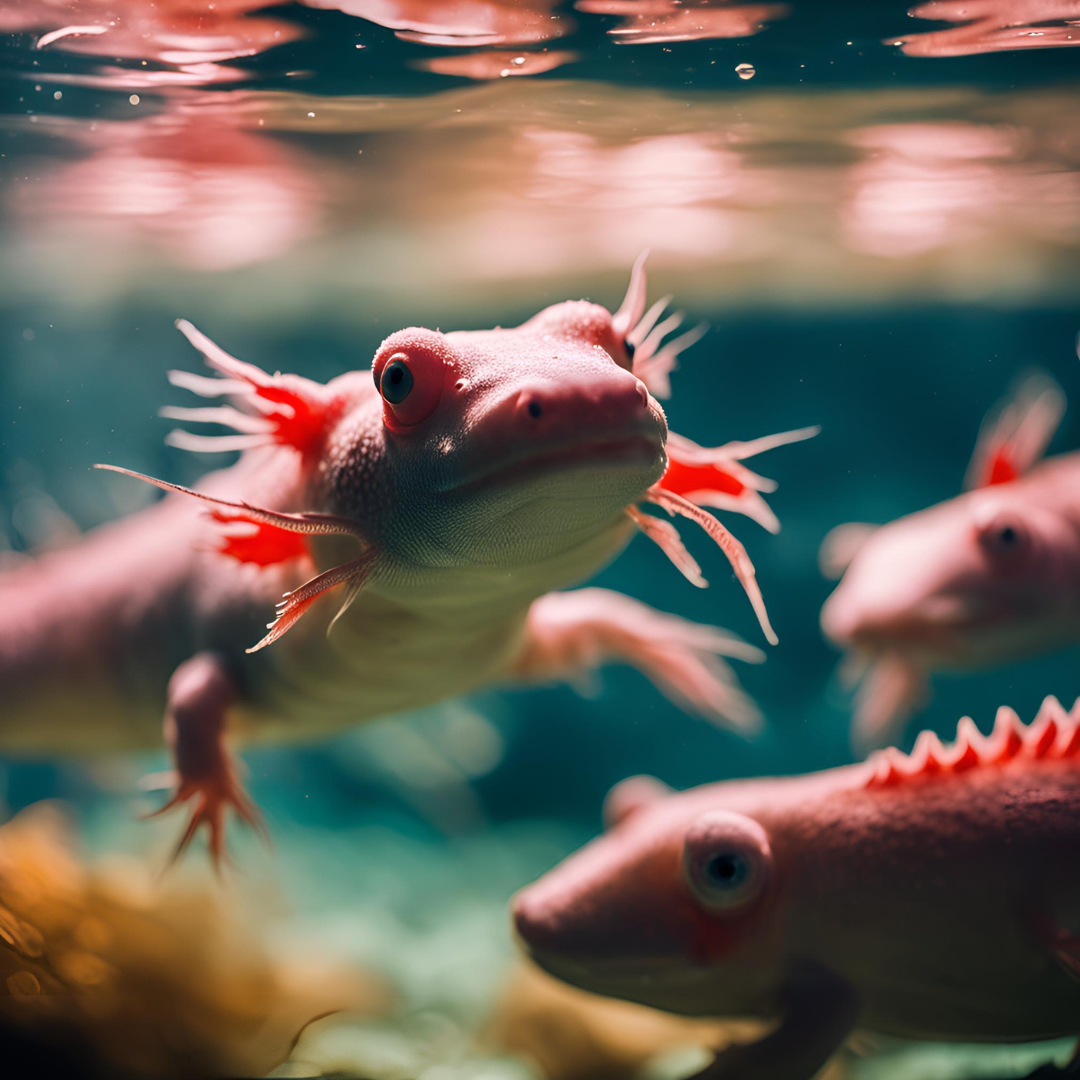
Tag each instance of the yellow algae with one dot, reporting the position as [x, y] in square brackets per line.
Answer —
[146, 982]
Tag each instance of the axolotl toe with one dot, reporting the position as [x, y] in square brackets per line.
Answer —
[424, 510]
[934, 895]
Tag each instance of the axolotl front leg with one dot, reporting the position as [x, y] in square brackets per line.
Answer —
[820, 1010]
[201, 692]
[569, 634]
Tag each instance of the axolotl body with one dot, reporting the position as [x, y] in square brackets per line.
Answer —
[934, 895]
[439, 497]
[988, 577]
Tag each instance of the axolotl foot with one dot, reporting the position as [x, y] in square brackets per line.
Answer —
[570, 634]
[200, 693]
[210, 797]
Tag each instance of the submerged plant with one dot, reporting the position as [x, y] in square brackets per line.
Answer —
[108, 975]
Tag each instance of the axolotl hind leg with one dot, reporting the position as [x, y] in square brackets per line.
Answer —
[569, 634]
[200, 693]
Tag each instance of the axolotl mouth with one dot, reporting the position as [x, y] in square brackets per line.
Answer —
[637, 453]
[671, 982]
[540, 431]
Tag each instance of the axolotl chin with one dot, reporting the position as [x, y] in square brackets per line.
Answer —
[987, 577]
[934, 895]
[439, 497]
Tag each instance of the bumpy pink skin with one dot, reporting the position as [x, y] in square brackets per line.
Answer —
[933, 897]
[507, 473]
[94, 632]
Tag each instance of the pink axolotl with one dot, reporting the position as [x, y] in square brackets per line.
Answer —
[990, 576]
[931, 896]
[440, 496]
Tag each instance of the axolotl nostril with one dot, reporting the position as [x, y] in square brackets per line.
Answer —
[932, 896]
[424, 509]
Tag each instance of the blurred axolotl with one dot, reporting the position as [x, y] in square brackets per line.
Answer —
[990, 576]
[441, 495]
[931, 896]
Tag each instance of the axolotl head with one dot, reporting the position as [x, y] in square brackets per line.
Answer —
[503, 447]
[992, 573]
[678, 905]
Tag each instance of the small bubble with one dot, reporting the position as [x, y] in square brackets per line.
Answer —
[311, 114]
[504, 73]
[518, 60]
[57, 95]
[358, 46]
[134, 99]
[745, 71]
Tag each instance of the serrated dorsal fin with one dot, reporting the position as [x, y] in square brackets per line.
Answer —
[1054, 734]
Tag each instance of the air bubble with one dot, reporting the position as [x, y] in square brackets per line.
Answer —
[745, 71]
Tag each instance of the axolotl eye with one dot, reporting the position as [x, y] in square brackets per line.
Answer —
[410, 381]
[1004, 538]
[726, 860]
[396, 382]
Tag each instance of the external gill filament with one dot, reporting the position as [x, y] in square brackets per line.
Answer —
[294, 604]
[352, 574]
[731, 547]
[645, 331]
[666, 537]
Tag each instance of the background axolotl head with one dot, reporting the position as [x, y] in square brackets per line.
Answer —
[985, 576]
[990, 575]
[676, 906]
[500, 448]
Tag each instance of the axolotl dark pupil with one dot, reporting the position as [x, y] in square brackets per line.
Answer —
[727, 869]
[396, 382]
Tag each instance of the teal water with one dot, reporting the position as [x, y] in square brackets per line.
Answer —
[881, 237]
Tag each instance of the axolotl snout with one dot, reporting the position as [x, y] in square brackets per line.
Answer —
[436, 499]
[932, 896]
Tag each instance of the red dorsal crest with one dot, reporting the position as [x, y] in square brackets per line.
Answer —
[1054, 734]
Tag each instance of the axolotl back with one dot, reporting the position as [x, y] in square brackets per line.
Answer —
[933, 896]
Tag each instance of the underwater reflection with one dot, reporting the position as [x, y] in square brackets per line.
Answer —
[922, 186]
[209, 193]
[186, 40]
[496, 64]
[460, 22]
[498, 182]
[646, 22]
[993, 25]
